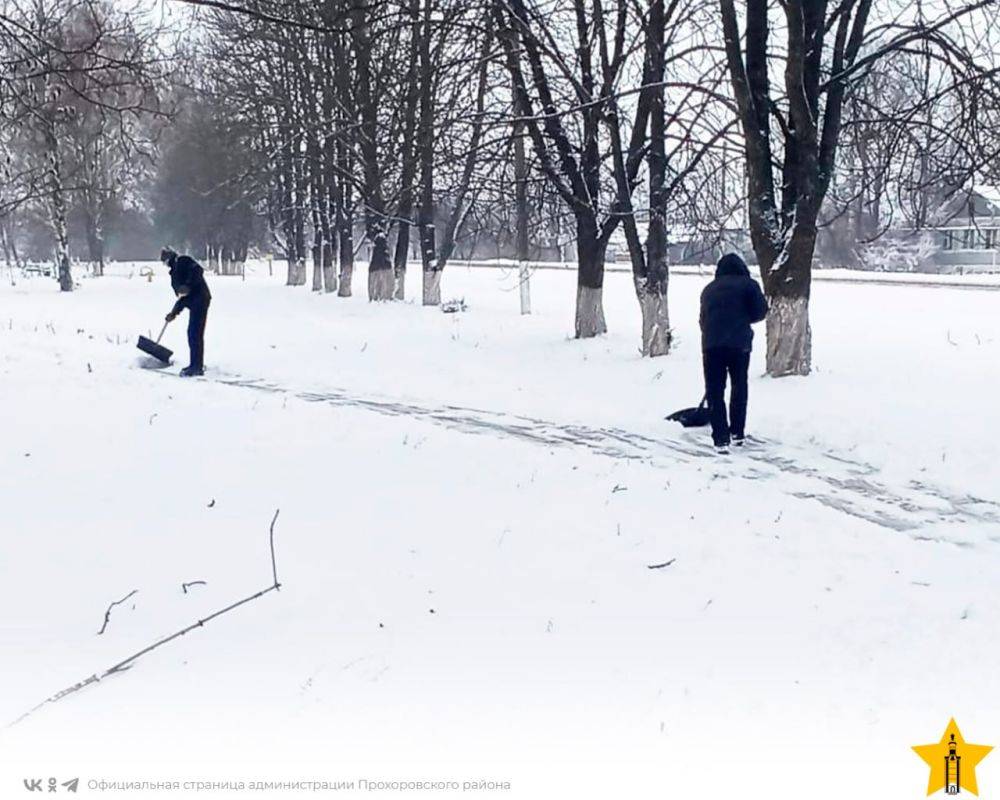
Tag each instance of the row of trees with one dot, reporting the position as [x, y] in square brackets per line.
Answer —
[411, 114]
[81, 86]
[429, 119]
[412, 127]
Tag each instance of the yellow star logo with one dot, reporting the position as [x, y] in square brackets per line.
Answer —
[952, 761]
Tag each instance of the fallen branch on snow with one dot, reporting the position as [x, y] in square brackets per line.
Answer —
[129, 662]
[107, 614]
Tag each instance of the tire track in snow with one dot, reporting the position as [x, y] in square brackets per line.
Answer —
[838, 482]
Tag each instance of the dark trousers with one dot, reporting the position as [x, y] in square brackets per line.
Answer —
[197, 317]
[720, 362]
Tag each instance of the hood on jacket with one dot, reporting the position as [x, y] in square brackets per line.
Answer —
[731, 264]
[168, 255]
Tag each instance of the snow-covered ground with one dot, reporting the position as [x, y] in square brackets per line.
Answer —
[497, 561]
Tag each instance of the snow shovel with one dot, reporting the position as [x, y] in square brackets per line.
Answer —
[155, 349]
[692, 417]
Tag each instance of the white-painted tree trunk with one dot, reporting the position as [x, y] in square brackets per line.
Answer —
[317, 282]
[789, 337]
[381, 284]
[346, 279]
[329, 276]
[524, 281]
[589, 312]
[432, 287]
[656, 335]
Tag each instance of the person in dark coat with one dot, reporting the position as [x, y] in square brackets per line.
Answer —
[188, 281]
[730, 304]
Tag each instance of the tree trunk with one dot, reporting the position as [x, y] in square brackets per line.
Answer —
[381, 279]
[589, 312]
[409, 157]
[521, 217]
[432, 287]
[316, 199]
[346, 247]
[329, 271]
[240, 259]
[95, 244]
[328, 66]
[11, 242]
[300, 243]
[57, 209]
[590, 279]
[425, 137]
[402, 250]
[296, 265]
[5, 241]
[317, 258]
[651, 289]
[655, 318]
[787, 283]
[341, 190]
[789, 337]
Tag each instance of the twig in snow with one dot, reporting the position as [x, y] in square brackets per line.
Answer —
[107, 614]
[129, 662]
[619, 488]
[184, 586]
[274, 565]
[661, 566]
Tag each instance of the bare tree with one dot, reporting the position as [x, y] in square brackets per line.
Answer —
[791, 134]
[80, 80]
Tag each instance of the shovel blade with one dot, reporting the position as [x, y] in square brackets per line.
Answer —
[157, 351]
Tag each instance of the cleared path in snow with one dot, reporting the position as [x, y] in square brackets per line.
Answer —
[841, 483]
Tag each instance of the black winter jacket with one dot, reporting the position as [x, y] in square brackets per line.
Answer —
[188, 281]
[730, 305]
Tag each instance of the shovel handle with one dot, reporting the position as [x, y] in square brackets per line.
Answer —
[162, 331]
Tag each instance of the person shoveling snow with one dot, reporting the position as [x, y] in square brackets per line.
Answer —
[188, 281]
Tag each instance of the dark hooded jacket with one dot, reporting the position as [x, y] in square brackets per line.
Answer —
[188, 281]
[730, 305]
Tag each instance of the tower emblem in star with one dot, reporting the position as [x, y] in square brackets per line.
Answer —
[953, 762]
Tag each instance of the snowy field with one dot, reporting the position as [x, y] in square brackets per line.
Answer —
[497, 561]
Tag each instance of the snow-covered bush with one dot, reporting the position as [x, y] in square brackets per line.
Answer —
[897, 251]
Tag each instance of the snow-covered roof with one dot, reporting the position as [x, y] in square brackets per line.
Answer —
[971, 207]
[991, 194]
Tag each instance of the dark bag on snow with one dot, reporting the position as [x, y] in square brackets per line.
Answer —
[692, 417]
